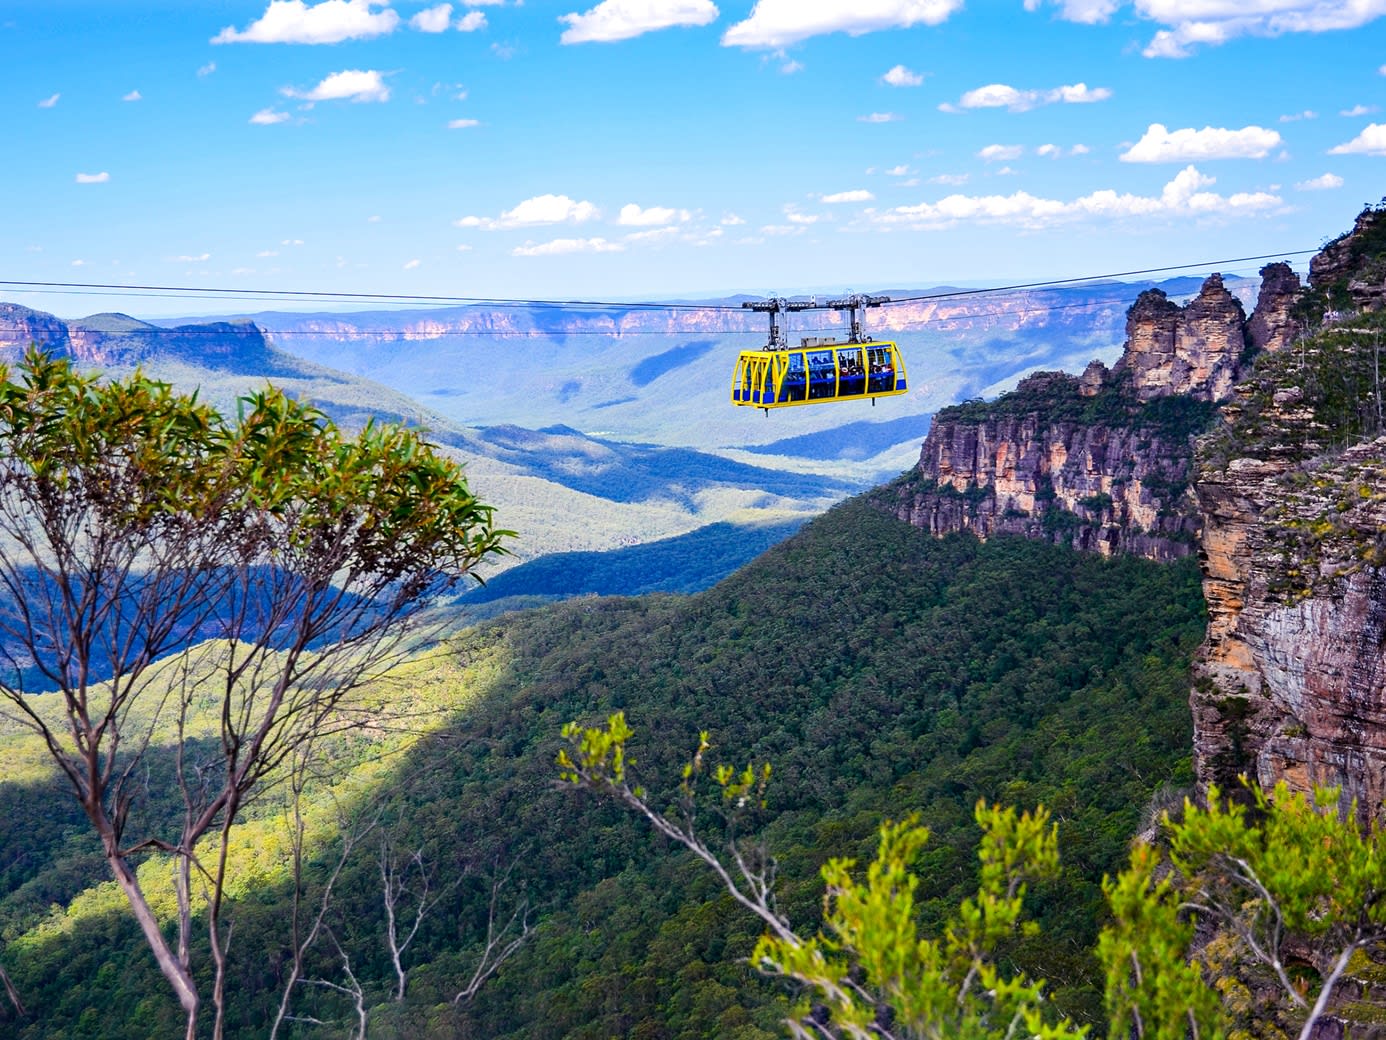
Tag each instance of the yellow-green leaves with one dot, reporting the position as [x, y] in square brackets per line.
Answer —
[601, 752]
[871, 959]
[1286, 873]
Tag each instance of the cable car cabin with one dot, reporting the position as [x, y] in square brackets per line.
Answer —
[818, 371]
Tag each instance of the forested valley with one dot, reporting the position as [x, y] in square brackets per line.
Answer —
[880, 671]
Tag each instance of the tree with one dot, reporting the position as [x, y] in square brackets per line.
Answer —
[161, 567]
[1243, 922]
[1286, 891]
[869, 973]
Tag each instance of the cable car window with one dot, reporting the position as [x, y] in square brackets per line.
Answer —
[822, 377]
[882, 370]
[794, 385]
[851, 375]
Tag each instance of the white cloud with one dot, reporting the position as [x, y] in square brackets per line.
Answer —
[374, 218]
[1184, 196]
[561, 246]
[856, 195]
[1079, 149]
[432, 19]
[49, 102]
[268, 117]
[79, 263]
[540, 210]
[1000, 95]
[264, 253]
[1085, 12]
[897, 171]
[1295, 117]
[732, 220]
[354, 84]
[463, 124]
[614, 20]
[899, 76]
[134, 95]
[93, 178]
[472, 21]
[1194, 23]
[778, 23]
[791, 67]
[332, 21]
[1049, 151]
[655, 216]
[207, 70]
[1371, 141]
[1000, 152]
[292, 242]
[801, 218]
[1327, 182]
[201, 258]
[1190, 145]
[1357, 110]
[952, 179]
[410, 265]
[879, 117]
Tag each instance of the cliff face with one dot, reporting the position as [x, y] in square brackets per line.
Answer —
[20, 327]
[1351, 270]
[117, 340]
[1291, 681]
[1110, 485]
[1103, 462]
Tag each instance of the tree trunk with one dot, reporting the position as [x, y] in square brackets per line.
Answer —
[177, 975]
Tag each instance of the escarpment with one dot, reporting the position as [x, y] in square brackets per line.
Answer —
[118, 340]
[1291, 681]
[1283, 498]
[1103, 462]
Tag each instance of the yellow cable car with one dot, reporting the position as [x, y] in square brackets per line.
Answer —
[821, 371]
[821, 368]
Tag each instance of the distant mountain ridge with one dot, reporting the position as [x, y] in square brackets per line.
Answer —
[562, 490]
[661, 374]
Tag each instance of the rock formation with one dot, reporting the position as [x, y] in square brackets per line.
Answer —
[1351, 270]
[1103, 462]
[1291, 682]
[1273, 325]
[1031, 469]
[21, 327]
[1194, 350]
[119, 341]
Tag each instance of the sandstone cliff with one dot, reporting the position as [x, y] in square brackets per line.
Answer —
[1291, 682]
[119, 341]
[1350, 272]
[1102, 462]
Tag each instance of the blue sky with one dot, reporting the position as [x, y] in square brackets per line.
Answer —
[635, 149]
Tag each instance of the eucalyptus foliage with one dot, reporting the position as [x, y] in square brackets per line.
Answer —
[172, 579]
[1288, 892]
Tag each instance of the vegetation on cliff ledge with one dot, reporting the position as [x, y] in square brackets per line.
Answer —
[1053, 398]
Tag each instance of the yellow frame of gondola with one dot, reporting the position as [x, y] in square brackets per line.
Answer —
[760, 375]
